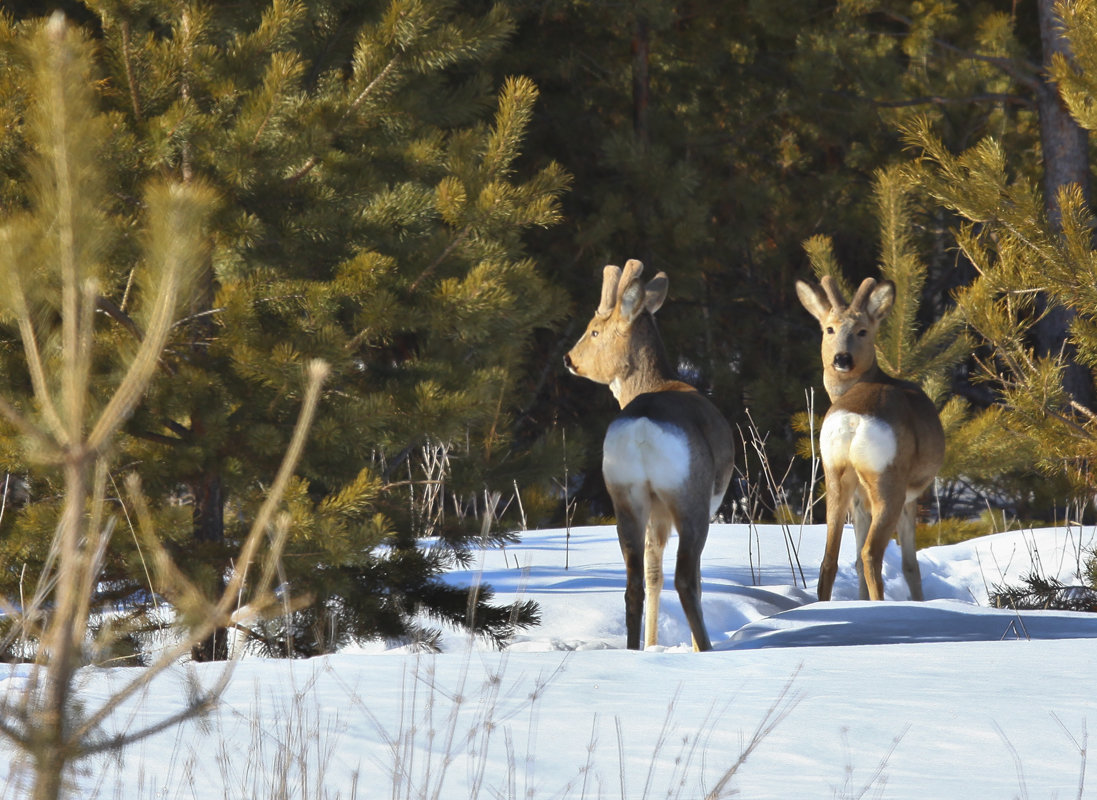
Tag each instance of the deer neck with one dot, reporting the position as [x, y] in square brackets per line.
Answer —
[838, 384]
[647, 369]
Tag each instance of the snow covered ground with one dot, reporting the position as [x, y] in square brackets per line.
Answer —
[943, 699]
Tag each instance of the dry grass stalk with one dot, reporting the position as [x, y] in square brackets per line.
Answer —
[46, 722]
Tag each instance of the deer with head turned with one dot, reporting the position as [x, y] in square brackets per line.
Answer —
[881, 440]
[667, 457]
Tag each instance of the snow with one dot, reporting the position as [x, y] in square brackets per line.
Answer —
[942, 699]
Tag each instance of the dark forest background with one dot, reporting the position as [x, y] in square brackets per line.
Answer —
[424, 193]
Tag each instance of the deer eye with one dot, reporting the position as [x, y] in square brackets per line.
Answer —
[594, 334]
[830, 330]
[862, 332]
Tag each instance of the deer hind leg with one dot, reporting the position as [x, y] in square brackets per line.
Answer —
[632, 518]
[657, 534]
[692, 533]
[911, 571]
[862, 519]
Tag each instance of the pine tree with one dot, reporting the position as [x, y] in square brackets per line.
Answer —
[372, 214]
[52, 262]
[978, 466]
[1019, 252]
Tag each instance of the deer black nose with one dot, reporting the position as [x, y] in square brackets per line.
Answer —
[567, 361]
[843, 362]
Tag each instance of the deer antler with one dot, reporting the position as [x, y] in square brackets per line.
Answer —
[834, 294]
[633, 268]
[863, 291]
[611, 276]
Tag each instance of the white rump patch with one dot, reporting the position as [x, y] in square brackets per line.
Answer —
[868, 443]
[640, 452]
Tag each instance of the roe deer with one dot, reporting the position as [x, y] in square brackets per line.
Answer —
[881, 440]
[667, 457]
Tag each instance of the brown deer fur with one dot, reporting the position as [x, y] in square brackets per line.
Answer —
[667, 457]
[881, 440]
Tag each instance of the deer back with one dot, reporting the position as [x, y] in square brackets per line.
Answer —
[667, 431]
[674, 442]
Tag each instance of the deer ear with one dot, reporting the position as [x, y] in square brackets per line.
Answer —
[656, 292]
[631, 302]
[814, 299]
[881, 300]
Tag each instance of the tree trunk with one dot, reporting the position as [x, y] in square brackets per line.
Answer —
[52, 750]
[1065, 148]
[208, 518]
[209, 509]
[641, 83]
[207, 488]
[641, 99]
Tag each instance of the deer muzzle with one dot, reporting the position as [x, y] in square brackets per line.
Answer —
[843, 362]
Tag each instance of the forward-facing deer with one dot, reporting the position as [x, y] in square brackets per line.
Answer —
[667, 457]
[881, 440]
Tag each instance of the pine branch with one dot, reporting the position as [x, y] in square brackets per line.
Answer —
[127, 65]
[314, 160]
[942, 100]
[1040, 593]
[1024, 72]
[220, 612]
[177, 208]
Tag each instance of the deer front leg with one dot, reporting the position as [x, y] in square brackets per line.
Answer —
[839, 494]
[653, 588]
[655, 543]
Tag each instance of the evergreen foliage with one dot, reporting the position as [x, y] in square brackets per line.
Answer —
[1040, 593]
[372, 213]
[1018, 253]
[389, 190]
[51, 260]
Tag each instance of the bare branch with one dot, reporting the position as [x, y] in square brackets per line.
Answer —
[220, 612]
[457, 240]
[198, 707]
[115, 312]
[942, 100]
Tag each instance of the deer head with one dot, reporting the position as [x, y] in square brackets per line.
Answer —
[621, 346]
[849, 330]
